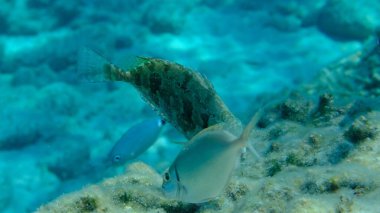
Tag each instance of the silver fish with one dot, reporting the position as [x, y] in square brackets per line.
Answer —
[203, 167]
[135, 141]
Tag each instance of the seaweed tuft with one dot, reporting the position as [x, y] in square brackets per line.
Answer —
[86, 204]
[274, 168]
[360, 130]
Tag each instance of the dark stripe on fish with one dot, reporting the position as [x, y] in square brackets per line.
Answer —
[186, 82]
[187, 109]
[176, 174]
[151, 66]
[155, 82]
[137, 76]
[166, 67]
[205, 117]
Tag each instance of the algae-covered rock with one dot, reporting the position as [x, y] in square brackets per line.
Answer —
[319, 153]
[30, 115]
[138, 190]
[353, 76]
[6, 189]
[361, 130]
[307, 168]
[295, 110]
[292, 15]
[349, 20]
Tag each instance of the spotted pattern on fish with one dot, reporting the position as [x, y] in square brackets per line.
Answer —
[182, 96]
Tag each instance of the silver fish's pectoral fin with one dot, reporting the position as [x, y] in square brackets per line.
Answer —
[181, 191]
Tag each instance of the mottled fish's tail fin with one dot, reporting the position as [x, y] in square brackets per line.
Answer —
[90, 66]
[93, 67]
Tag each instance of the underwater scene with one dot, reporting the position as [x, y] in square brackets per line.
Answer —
[189, 106]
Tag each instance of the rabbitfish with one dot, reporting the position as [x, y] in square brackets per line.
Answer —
[183, 97]
[203, 167]
[135, 141]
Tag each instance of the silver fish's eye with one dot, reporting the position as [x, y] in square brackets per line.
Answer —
[166, 176]
[116, 158]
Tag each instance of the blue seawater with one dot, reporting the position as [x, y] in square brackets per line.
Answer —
[55, 129]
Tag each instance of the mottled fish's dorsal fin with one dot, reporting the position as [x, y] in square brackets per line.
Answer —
[131, 62]
[208, 82]
[143, 58]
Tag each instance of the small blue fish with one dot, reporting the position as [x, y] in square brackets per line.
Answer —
[135, 141]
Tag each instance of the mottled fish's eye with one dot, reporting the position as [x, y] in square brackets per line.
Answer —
[116, 158]
[166, 176]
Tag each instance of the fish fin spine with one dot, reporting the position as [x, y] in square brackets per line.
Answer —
[93, 67]
[114, 73]
[244, 138]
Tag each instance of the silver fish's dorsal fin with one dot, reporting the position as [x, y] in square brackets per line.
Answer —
[216, 127]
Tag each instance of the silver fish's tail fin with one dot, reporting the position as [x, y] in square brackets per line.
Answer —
[250, 126]
[243, 140]
[92, 67]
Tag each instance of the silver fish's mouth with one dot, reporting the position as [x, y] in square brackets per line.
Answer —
[170, 190]
[173, 188]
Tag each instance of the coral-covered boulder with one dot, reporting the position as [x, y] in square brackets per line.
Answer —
[349, 20]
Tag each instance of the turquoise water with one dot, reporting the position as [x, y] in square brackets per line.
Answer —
[55, 129]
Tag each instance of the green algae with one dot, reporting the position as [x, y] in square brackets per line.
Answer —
[295, 110]
[360, 130]
[294, 159]
[273, 168]
[86, 204]
[236, 191]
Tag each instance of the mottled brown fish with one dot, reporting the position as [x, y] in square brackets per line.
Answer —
[182, 96]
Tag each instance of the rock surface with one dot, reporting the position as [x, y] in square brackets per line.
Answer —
[318, 154]
[349, 20]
